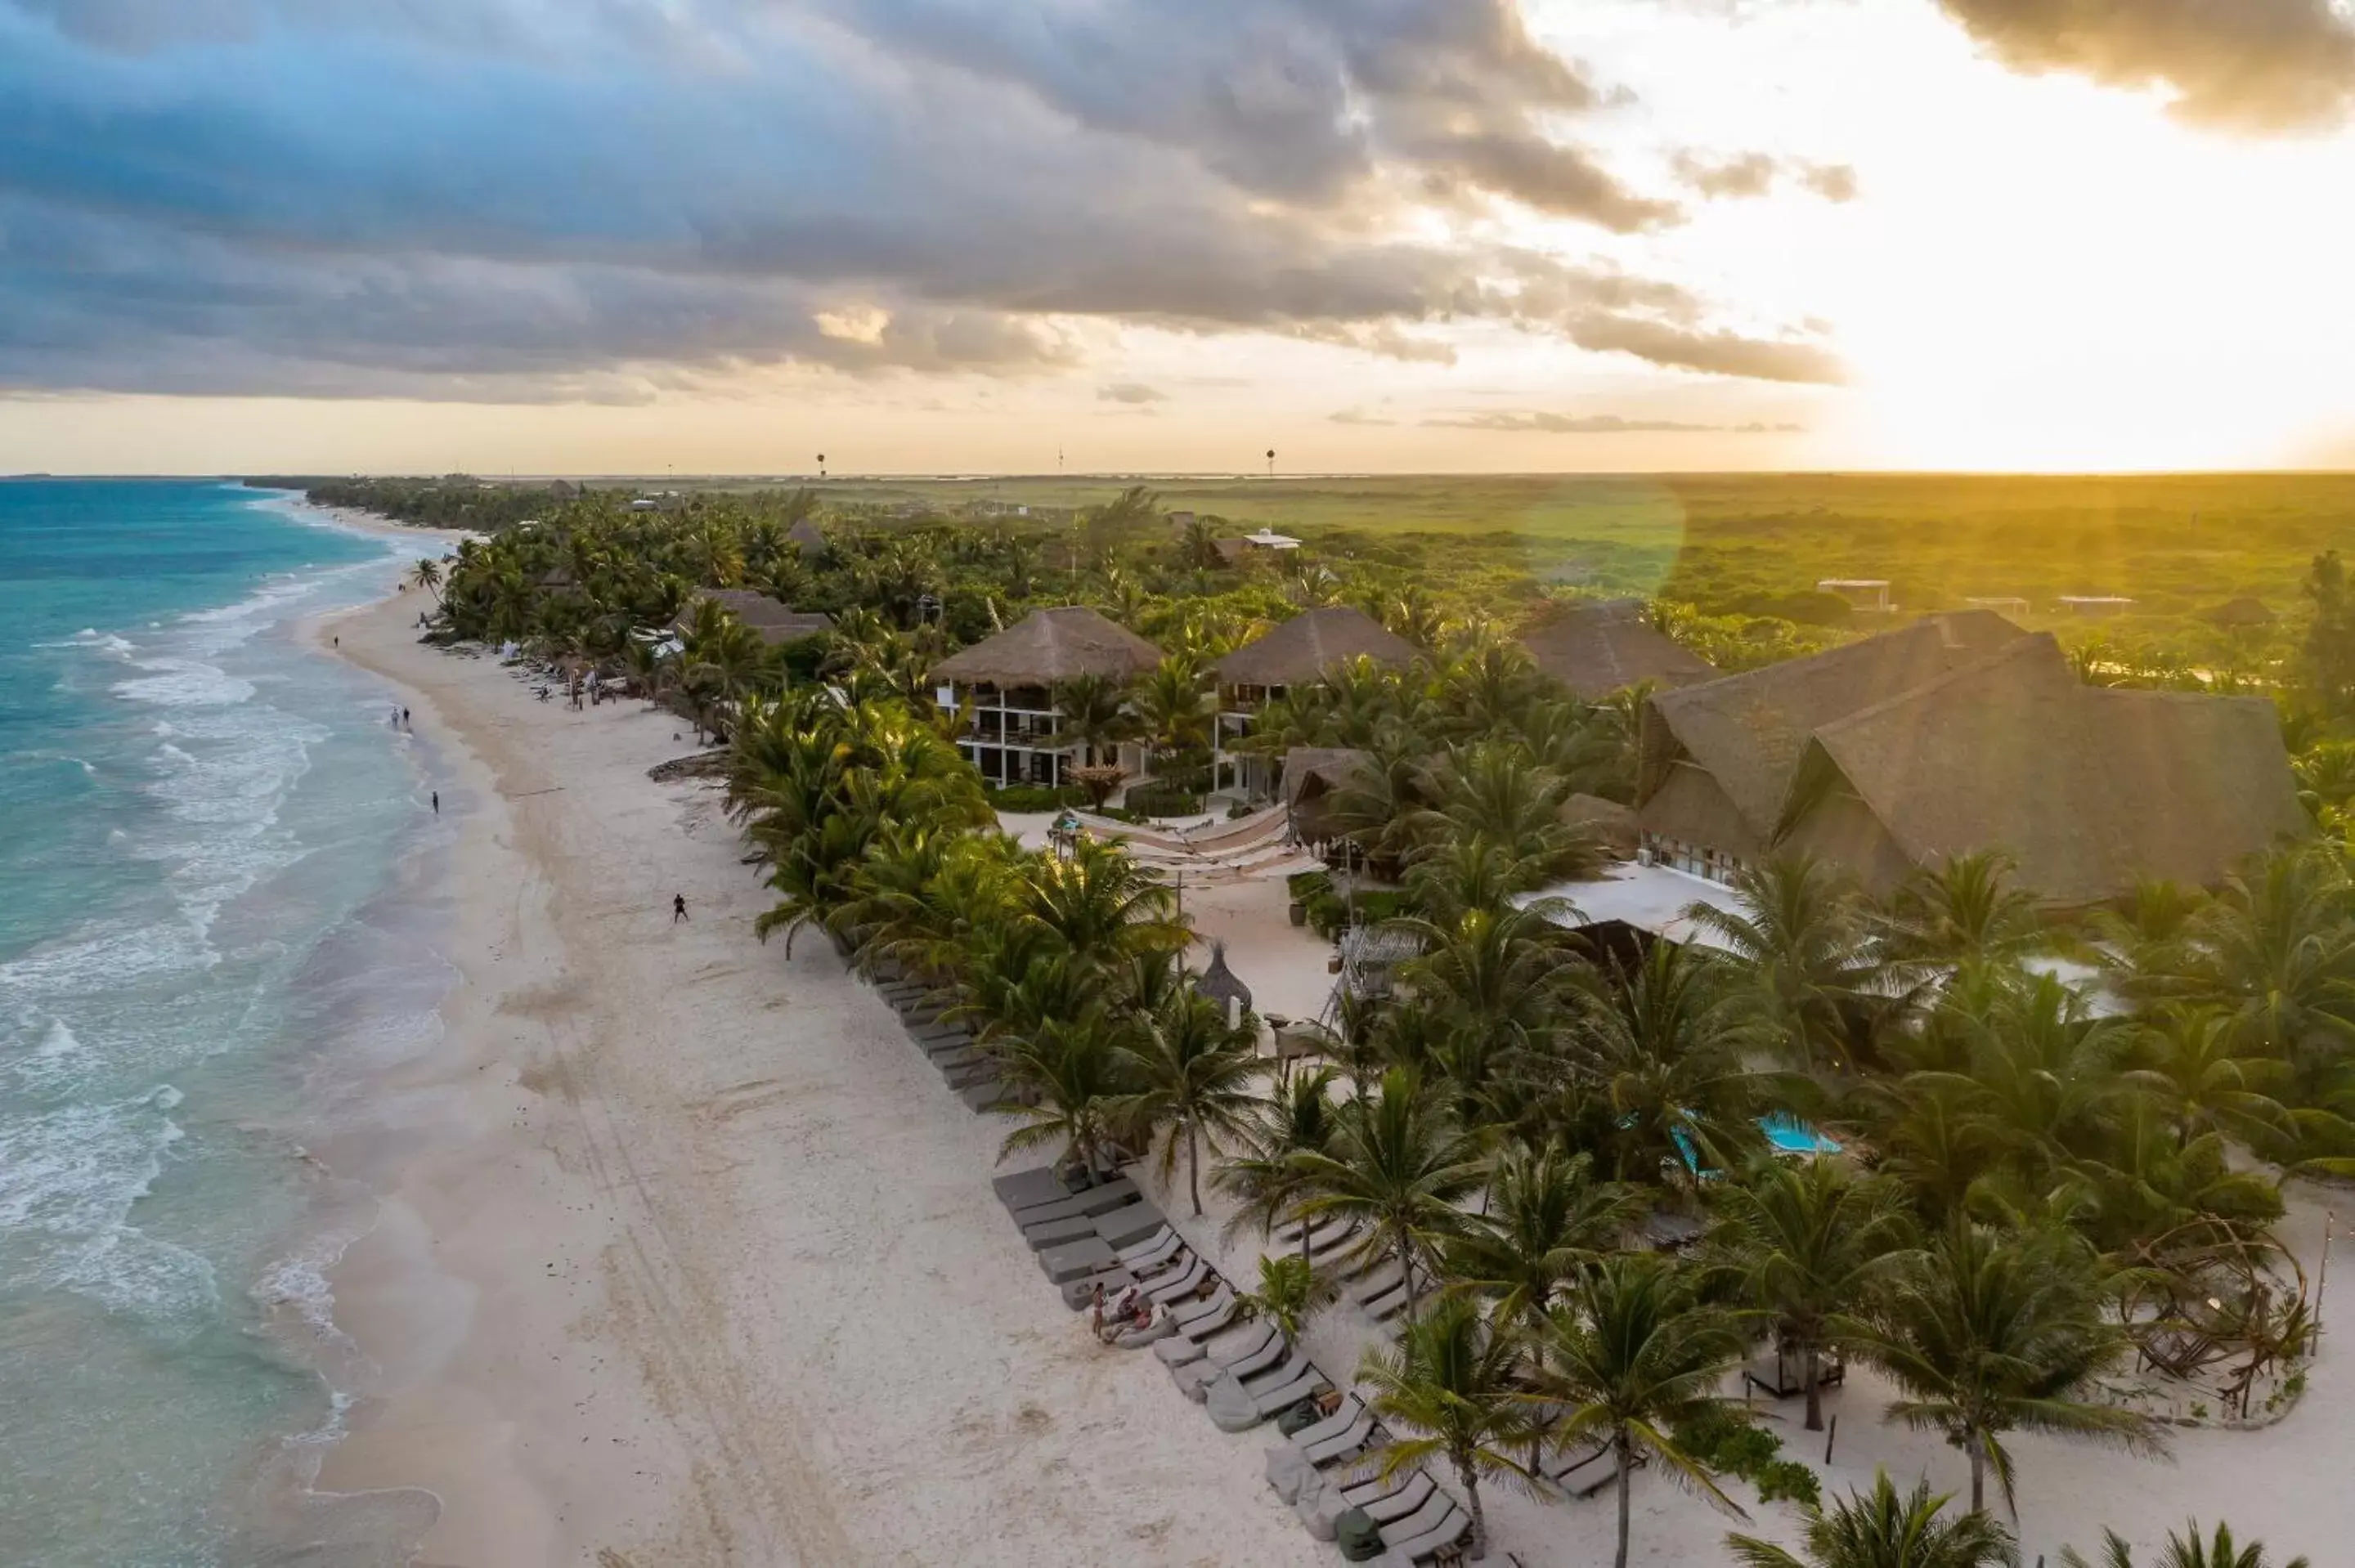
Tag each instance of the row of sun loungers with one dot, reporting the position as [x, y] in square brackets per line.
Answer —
[1106, 1234]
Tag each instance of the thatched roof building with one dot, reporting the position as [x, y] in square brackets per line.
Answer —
[1613, 824]
[1961, 734]
[1716, 760]
[774, 621]
[1604, 647]
[1308, 646]
[1311, 775]
[1051, 645]
[807, 537]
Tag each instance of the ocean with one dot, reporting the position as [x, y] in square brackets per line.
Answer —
[207, 833]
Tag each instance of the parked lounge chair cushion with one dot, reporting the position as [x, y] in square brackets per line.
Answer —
[1189, 1280]
[1059, 1233]
[1076, 1261]
[1200, 1319]
[1094, 1201]
[1415, 1495]
[1128, 1226]
[1453, 1527]
[1028, 1188]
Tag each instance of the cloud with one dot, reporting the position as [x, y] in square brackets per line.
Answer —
[2262, 67]
[503, 199]
[1357, 416]
[1750, 175]
[1134, 393]
[1539, 423]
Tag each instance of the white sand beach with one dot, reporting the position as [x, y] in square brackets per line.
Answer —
[695, 1260]
[689, 1259]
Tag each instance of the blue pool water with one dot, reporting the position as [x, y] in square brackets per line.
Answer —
[202, 824]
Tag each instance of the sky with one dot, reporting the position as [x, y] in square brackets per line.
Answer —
[1167, 236]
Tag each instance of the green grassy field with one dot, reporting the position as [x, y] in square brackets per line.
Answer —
[2175, 543]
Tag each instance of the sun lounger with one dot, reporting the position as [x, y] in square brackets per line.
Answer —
[981, 1097]
[1129, 1225]
[1154, 1250]
[1235, 1407]
[1084, 1205]
[1028, 1188]
[1189, 1279]
[1592, 1475]
[1340, 1444]
[979, 1070]
[1421, 1522]
[1246, 1368]
[1200, 1319]
[1327, 1426]
[1394, 1499]
[926, 1033]
[1389, 1304]
[1403, 1554]
[1060, 1233]
[1077, 1260]
[1374, 1285]
[1253, 1341]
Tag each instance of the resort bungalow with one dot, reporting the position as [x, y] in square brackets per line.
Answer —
[808, 538]
[1311, 775]
[1607, 646]
[772, 620]
[1959, 734]
[1300, 652]
[1009, 680]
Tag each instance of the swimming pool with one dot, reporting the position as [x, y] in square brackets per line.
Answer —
[1789, 1135]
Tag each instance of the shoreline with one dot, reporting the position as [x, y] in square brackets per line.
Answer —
[684, 1254]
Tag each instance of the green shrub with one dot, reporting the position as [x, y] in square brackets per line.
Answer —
[1329, 912]
[1728, 1442]
[1036, 797]
[1308, 883]
[1163, 802]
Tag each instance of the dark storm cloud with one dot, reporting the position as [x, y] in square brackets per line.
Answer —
[2256, 66]
[1750, 175]
[522, 194]
[1542, 423]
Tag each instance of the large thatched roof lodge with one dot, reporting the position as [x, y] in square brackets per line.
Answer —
[1959, 734]
[1016, 735]
[1298, 653]
[1607, 646]
[772, 620]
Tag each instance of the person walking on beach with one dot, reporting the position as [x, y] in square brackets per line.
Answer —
[437, 802]
[677, 907]
[404, 719]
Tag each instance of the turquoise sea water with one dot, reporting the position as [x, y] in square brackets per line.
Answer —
[202, 827]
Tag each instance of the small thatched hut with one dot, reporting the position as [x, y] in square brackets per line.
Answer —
[772, 621]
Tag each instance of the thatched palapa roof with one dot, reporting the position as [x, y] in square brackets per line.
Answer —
[772, 621]
[808, 537]
[1311, 774]
[1220, 984]
[1747, 731]
[1613, 824]
[1605, 647]
[1308, 646]
[2088, 789]
[1051, 645]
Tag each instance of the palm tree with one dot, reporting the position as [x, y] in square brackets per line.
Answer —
[2191, 1066]
[1076, 1077]
[1194, 1076]
[1809, 1243]
[1797, 931]
[427, 574]
[1986, 1334]
[1635, 1353]
[1291, 1291]
[1963, 910]
[1102, 905]
[1095, 713]
[1451, 1383]
[1174, 706]
[1296, 1116]
[1663, 1048]
[2188, 1551]
[1400, 1163]
[1547, 1216]
[1886, 1528]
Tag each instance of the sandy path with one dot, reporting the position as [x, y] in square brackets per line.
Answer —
[689, 1257]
